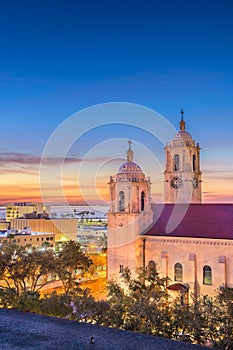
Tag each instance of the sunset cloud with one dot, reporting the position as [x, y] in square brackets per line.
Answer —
[20, 177]
[29, 159]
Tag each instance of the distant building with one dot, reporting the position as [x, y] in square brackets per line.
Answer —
[35, 239]
[20, 209]
[93, 239]
[64, 229]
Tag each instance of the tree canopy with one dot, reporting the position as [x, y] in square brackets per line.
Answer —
[137, 302]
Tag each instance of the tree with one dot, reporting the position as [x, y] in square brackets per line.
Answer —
[220, 325]
[70, 262]
[78, 305]
[205, 321]
[57, 305]
[40, 267]
[23, 270]
[2, 268]
[139, 303]
[28, 301]
[8, 297]
[103, 242]
[188, 321]
[15, 273]
[83, 306]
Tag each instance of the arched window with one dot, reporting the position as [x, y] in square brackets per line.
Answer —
[194, 162]
[152, 269]
[176, 162]
[121, 201]
[142, 200]
[178, 272]
[207, 275]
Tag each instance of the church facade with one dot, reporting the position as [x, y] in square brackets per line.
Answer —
[189, 242]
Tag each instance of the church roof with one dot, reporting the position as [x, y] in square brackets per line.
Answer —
[200, 221]
[184, 135]
[130, 168]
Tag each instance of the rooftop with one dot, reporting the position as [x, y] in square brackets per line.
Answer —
[21, 330]
[200, 221]
[130, 168]
[17, 234]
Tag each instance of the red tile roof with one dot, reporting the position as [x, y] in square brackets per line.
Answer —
[194, 220]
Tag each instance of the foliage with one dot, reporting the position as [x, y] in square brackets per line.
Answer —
[83, 306]
[87, 309]
[69, 261]
[56, 305]
[221, 322]
[204, 321]
[23, 269]
[188, 321]
[101, 314]
[8, 297]
[103, 242]
[28, 301]
[140, 303]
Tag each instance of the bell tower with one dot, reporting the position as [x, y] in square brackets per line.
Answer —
[129, 214]
[182, 175]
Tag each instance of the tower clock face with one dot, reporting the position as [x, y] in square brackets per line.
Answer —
[176, 182]
[195, 182]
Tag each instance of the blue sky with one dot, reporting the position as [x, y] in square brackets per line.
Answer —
[58, 57]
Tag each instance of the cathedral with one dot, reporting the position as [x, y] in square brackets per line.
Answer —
[189, 242]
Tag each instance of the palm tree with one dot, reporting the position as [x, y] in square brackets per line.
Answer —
[103, 242]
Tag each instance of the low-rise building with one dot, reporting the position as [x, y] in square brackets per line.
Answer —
[64, 229]
[20, 209]
[35, 239]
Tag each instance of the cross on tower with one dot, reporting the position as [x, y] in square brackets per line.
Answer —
[129, 152]
[182, 114]
[130, 143]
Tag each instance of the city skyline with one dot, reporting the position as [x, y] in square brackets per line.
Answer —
[59, 58]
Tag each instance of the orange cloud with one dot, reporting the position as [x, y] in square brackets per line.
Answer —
[20, 181]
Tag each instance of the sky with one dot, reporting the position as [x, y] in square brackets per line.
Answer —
[61, 57]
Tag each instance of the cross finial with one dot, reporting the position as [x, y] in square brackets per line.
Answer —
[182, 114]
[182, 122]
[130, 143]
[130, 152]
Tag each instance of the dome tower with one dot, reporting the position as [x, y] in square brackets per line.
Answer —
[129, 214]
[129, 188]
[182, 175]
